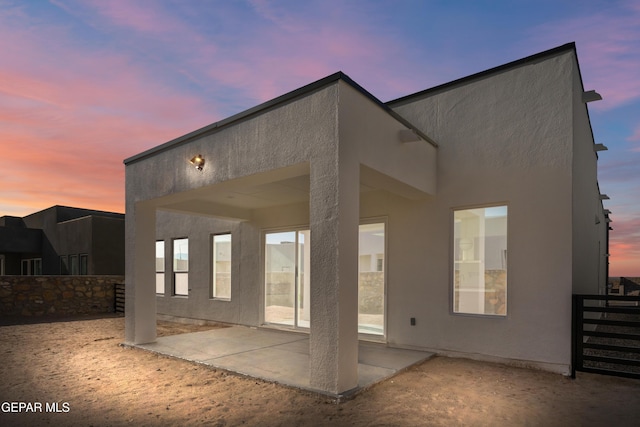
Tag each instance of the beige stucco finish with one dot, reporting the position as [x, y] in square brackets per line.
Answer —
[521, 139]
[248, 184]
[331, 157]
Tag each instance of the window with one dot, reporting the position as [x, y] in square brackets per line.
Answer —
[160, 267]
[73, 264]
[64, 265]
[371, 279]
[31, 267]
[84, 264]
[221, 266]
[181, 266]
[480, 261]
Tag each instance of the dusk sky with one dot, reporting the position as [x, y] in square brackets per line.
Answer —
[85, 84]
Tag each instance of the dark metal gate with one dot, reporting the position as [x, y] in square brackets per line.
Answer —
[118, 298]
[606, 335]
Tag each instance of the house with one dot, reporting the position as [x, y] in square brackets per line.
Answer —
[459, 219]
[62, 240]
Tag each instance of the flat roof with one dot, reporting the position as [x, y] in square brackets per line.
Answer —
[486, 73]
[261, 108]
[333, 78]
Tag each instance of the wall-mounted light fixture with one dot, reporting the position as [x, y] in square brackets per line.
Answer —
[600, 147]
[590, 96]
[604, 197]
[198, 162]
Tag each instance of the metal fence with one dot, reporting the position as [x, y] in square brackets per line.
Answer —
[606, 335]
[118, 294]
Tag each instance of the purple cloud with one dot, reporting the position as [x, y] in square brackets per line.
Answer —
[609, 50]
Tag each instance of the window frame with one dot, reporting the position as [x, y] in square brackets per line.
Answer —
[453, 261]
[74, 265]
[374, 259]
[64, 265]
[177, 272]
[83, 270]
[213, 266]
[31, 267]
[299, 323]
[164, 267]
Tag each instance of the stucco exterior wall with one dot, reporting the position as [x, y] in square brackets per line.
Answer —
[370, 137]
[75, 237]
[504, 140]
[107, 250]
[64, 231]
[307, 137]
[518, 137]
[589, 224]
[242, 308]
[288, 135]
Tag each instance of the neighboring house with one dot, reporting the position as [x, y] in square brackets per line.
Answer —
[459, 219]
[62, 240]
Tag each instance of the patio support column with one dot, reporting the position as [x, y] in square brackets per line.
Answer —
[334, 218]
[140, 293]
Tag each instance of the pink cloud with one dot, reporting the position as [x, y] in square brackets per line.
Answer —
[624, 245]
[307, 50]
[254, 62]
[282, 51]
[608, 49]
[70, 112]
[70, 115]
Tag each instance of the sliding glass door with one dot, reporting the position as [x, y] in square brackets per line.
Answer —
[287, 287]
[287, 283]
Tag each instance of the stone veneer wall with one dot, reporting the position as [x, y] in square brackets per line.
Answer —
[57, 295]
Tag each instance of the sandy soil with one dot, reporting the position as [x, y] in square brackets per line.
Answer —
[80, 365]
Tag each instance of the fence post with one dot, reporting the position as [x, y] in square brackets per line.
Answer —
[574, 357]
[577, 333]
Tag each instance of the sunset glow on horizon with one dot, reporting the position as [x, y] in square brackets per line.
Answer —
[85, 84]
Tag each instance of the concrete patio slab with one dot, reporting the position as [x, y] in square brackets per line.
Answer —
[277, 356]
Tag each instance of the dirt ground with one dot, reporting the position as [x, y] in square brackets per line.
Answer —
[96, 382]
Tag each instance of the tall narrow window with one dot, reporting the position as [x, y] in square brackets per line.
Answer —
[181, 266]
[73, 261]
[36, 266]
[221, 266]
[160, 267]
[31, 267]
[64, 265]
[371, 280]
[480, 261]
[84, 264]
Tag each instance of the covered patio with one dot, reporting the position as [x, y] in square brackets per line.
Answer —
[278, 356]
[300, 164]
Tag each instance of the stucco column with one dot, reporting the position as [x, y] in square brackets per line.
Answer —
[334, 217]
[140, 293]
